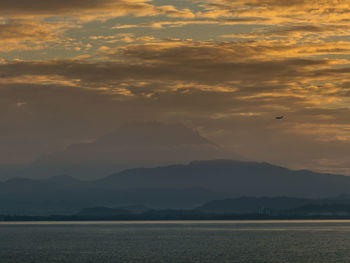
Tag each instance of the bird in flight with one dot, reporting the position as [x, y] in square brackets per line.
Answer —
[279, 117]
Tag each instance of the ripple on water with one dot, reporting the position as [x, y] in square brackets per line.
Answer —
[206, 241]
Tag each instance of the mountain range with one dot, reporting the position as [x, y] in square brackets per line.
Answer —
[132, 145]
[180, 186]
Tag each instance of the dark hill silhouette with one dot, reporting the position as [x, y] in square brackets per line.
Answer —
[330, 208]
[233, 178]
[175, 186]
[103, 211]
[107, 211]
[254, 204]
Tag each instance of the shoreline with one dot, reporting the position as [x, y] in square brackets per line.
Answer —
[68, 219]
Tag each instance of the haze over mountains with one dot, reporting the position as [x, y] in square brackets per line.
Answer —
[145, 144]
[175, 186]
[151, 164]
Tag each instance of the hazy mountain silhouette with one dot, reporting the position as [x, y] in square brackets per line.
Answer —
[107, 211]
[133, 145]
[233, 178]
[175, 186]
[254, 204]
[325, 209]
[237, 208]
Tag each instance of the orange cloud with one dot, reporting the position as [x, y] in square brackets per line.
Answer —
[88, 10]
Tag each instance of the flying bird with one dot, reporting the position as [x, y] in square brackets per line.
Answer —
[279, 117]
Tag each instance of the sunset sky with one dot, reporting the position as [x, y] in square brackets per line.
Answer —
[71, 71]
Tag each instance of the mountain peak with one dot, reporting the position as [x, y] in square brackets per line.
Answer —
[217, 162]
[145, 144]
[154, 134]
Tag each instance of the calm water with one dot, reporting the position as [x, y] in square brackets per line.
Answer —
[229, 241]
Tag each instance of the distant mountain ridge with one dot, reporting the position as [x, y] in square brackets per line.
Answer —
[235, 208]
[145, 144]
[235, 178]
[174, 186]
[254, 204]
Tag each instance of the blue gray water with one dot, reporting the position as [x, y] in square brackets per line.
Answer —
[229, 241]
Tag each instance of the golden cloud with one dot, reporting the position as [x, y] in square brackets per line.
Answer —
[88, 9]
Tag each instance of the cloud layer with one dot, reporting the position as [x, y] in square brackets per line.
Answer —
[73, 70]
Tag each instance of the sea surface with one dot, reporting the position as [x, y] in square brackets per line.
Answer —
[176, 241]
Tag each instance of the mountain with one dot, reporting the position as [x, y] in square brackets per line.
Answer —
[107, 211]
[103, 212]
[237, 208]
[23, 196]
[147, 144]
[175, 186]
[246, 205]
[232, 178]
[322, 209]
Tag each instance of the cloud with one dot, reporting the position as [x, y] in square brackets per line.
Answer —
[33, 25]
[74, 100]
[28, 35]
[87, 9]
[237, 64]
[284, 18]
[219, 75]
[277, 57]
[333, 10]
[185, 22]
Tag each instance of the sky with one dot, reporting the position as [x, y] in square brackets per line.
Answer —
[71, 71]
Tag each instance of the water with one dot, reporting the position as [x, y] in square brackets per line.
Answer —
[176, 241]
